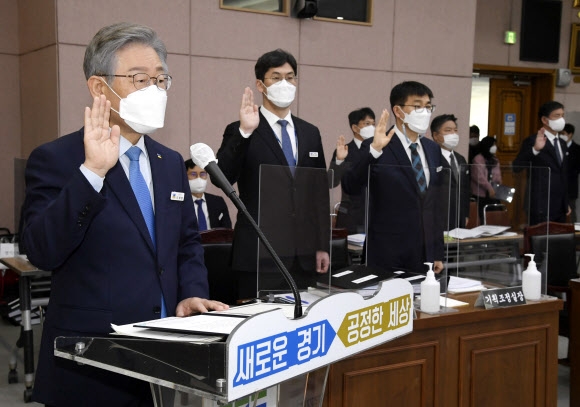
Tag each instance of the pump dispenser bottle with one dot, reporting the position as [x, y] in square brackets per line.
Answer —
[430, 291]
[532, 281]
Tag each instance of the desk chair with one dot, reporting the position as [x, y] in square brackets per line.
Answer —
[496, 214]
[334, 213]
[555, 243]
[217, 246]
[339, 251]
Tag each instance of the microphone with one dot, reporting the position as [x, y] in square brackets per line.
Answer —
[203, 156]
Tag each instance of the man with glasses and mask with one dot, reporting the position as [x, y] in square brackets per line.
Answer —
[211, 210]
[404, 185]
[270, 144]
[107, 211]
[351, 213]
[545, 156]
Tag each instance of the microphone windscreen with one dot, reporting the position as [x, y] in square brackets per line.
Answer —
[201, 154]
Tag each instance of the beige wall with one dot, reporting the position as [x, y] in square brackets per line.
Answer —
[213, 51]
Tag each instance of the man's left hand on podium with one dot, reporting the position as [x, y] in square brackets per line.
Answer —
[195, 305]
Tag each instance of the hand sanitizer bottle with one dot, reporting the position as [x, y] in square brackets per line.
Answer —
[532, 281]
[430, 292]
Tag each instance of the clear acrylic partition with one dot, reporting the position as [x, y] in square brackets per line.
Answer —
[503, 202]
[294, 214]
[405, 228]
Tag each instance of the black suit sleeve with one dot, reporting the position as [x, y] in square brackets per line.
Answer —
[232, 152]
[525, 156]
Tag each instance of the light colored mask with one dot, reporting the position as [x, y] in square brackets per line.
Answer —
[473, 141]
[557, 125]
[418, 122]
[281, 93]
[493, 149]
[198, 185]
[367, 132]
[450, 141]
[143, 110]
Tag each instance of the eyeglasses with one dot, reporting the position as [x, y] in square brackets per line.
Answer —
[421, 109]
[278, 78]
[143, 80]
[194, 175]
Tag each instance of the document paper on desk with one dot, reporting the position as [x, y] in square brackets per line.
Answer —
[480, 231]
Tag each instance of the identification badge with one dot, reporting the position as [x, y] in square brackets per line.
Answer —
[314, 154]
[177, 196]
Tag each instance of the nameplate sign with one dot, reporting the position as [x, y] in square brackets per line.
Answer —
[501, 297]
[269, 348]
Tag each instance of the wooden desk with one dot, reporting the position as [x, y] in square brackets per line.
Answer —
[473, 357]
[574, 343]
[25, 271]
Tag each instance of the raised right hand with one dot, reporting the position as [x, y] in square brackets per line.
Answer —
[381, 138]
[341, 148]
[249, 116]
[101, 143]
[540, 140]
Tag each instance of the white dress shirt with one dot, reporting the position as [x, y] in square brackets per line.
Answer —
[204, 207]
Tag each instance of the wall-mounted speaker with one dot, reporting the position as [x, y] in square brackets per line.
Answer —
[563, 77]
[306, 8]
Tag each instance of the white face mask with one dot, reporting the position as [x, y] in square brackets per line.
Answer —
[281, 93]
[367, 132]
[450, 141]
[143, 110]
[473, 141]
[198, 185]
[557, 125]
[418, 122]
[493, 149]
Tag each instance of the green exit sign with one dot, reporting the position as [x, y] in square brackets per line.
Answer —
[510, 37]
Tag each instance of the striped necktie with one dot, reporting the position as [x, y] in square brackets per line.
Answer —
[418, 168]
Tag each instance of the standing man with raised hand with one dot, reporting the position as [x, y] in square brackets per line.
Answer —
[404, 185]
[457, 188]
[545, 156]
[107, 210]
[567, 134]
[271, 136]
[352, 210]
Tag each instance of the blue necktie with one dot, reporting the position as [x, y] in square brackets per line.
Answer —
[201, 223]
[418, 168]
[287, 146]
[143, 196]
[556, 142]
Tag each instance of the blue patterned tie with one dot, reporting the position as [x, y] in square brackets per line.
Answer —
[287, 146]
[201, 223]
[418, 168]
[141, 191]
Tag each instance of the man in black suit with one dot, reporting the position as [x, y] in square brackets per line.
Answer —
[352, 210]
[548, 189]
[573, 167]
[269, 145]
[456, 201]
[404, 186]
[213, 207]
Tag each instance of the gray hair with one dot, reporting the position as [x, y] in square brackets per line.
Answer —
[101, 53]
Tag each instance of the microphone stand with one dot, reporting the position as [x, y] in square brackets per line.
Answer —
[297, 300]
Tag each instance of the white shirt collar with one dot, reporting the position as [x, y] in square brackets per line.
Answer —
[550, 136]
[446, 153]
[406, 141]
[125, 144]
[357, 142]
[272, 119]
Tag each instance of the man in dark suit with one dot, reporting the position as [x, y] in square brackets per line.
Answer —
[456, 188]
[545, 156]
[352, 210]
[271, 151]
[404, 185]
[213, 207]
[117, 256]
[573, 167]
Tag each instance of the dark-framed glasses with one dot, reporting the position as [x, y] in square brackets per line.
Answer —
[194, 175]
[421, 109]
[143, 80]
[275, 78]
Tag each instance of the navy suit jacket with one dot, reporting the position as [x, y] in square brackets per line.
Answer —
[573, 170]
[219, 217]
[352, 211]
[404, 229]
[544, 186]
[307, 224]
[105, 267]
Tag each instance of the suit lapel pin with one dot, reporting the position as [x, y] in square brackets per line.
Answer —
[159, 155]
